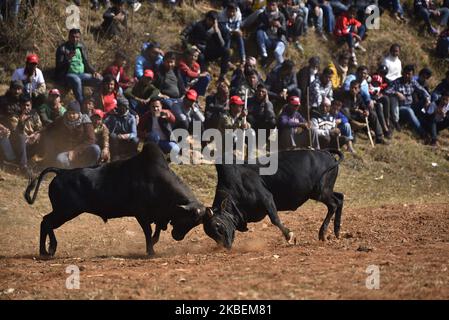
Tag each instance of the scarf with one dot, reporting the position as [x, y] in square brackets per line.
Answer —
[83, 118]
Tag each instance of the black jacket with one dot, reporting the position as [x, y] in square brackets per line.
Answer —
[63, 61]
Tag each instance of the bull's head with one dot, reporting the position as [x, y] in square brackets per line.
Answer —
[187, 217]
[220, 223]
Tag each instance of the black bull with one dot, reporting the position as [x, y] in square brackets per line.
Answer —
[242, 195]
[143, 187]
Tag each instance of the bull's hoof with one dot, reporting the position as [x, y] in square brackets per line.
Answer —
[337, 234]
[291, 239]
[51, 251]
[321, 236]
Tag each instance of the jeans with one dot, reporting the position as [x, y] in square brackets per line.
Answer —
[265, 43]
[166, 145]
[329, 17]
[76, 82]
[338, 7]
[350, 38]
[407, 114]
[240, 45]
[424, 14]
[316, 20]
[14, 148]
[87, 157]
[215, 53]
[346, 130]
[201, 85]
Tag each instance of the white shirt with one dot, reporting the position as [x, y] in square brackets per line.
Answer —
[394, 67]
[157, 129]
[36, 80]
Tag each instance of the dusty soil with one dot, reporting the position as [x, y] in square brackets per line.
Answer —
[409, 243]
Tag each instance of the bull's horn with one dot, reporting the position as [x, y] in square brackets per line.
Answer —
[184, 206]
[209, 212]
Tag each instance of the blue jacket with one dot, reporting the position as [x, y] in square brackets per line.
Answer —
[125, 124]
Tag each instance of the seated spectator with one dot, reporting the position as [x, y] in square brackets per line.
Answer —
[356, 110]
[122, 126]
[211, 38]
[191, 73]
[70, 140]
[143, 91]
[321, 88]
[325, 125]
[230, 19]
[151, 57]
[342, 123]
[271, 33]
[73, 67]
[101, 134]
[156, 126]
[426, 9]
[404, 88]
[381, 101]
[115, 19]
[117, 70]
[88, 106]
[281, 82]
[443, 86]
[187, 111]
[350, 30]
[442, 47]
[436, 117]
[423, 77]
[31, 126]
[340, 70]
[296, 17]
[52, 109]
[239, 74]
[307, 75]
[393, 63]
[216, 105]
[294, 129]
[32, 78]
[260, 110]
[248, 87]
[169, 80]
[105, 98]
[396, 7]
[316, 16]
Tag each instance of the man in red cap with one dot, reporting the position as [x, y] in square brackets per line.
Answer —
[235, 117]
[294, 129]
[52, 109]
[142, 92]
[32, 78]
[187, 110]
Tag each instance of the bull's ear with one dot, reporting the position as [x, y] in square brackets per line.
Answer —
[224, 203]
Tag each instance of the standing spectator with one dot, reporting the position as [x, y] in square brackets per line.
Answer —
[101, 134]
[191, 72]
[117, 70]
[404, 88]
[321, 88]
[70, 140]
[216, 105]
[340, 70]
[271, 33]
[187, 111]
[32, 78]
[425, 9]
[105, 98]
[143, 91]
[350, 30]
[211, 38]
[115, 19]
[73, 66]
[294, 129]
[155, 126]
[307, 75]
[230, 18]
[151, 57]
[52, 109]
[260, 110]
[122, 126]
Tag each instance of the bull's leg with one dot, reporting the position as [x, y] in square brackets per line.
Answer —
[50, 222]
[146, 227]
[339, 199]
[331, 207]
[157, 233]
[274, 218]
[43, 237]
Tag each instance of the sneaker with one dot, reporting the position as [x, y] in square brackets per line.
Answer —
[298, 46]
[136, 6]
[433, 31]
[388, 134]
[359, 46]
[322, 36]
[354, 60]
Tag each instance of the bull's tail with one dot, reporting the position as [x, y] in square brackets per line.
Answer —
[32, 184]
[338, 153]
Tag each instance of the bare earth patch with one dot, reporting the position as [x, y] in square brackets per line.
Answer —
[409, 243]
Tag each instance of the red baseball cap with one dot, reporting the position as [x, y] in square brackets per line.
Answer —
[191, 95]
[98, 112]
[294, 100]
[32, 58]
[148, 74]
[236, 100]
[54, 92]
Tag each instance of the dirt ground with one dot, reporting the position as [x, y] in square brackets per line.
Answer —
[408, 243]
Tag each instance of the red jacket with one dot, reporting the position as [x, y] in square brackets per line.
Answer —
[124, 80]
[145, 123]
[190, 72]
[343, 24]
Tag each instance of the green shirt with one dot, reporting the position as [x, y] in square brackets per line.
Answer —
[77, 64]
